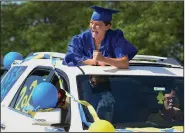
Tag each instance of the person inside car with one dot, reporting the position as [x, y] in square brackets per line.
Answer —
[171, 111]
[63, 100]
[100, 45]
[102, 99]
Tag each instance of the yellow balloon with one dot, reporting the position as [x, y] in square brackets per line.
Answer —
[101, 126]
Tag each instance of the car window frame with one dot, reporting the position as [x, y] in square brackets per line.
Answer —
[13, 102]
[51, 74]
[6, 74]
[65, 77]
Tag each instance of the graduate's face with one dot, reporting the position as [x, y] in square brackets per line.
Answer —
[98, 29]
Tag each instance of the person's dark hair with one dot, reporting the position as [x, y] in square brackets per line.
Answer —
[99, 83]
[107, 23]
[97, 79]
[169, 90]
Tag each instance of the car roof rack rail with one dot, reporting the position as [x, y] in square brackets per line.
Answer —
[157, 59]
[54, 55]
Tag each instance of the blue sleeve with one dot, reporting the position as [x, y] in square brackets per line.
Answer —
[75, 52]
[122, 47]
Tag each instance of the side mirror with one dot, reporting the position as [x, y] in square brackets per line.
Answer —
[47, 118]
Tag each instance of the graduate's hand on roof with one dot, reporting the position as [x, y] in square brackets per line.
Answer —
[89, 62]
[101, 64]
[97, 56]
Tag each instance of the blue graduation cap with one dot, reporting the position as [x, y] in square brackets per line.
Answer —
[102, 14]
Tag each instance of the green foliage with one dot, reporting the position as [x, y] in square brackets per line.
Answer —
[155, 27]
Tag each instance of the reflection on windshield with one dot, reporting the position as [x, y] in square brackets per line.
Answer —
[104, 101]
[124, 100]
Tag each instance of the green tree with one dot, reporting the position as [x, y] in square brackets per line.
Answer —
[154, 27]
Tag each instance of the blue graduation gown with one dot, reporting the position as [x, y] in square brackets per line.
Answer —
[114, 45]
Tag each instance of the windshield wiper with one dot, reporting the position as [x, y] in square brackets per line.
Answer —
[148, 124]
[166, 124]
[134, 125]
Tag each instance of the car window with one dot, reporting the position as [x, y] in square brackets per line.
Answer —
[23, 97]
[10, 78]
[127, 99]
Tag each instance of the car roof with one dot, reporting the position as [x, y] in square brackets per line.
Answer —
[138, 59]
[139, 65]
[54, 54]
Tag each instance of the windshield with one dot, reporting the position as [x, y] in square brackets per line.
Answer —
[10, 78]
[134, 101]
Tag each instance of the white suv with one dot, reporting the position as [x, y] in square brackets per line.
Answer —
[125, 97]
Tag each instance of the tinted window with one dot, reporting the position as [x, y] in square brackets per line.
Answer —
[23, 98]
[128, 99]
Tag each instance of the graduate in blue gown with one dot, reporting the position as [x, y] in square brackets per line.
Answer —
[100, 45]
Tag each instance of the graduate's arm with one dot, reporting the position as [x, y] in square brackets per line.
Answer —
[75, 53]
[89, 62]
[123, 50]
[122, 63]
[116, 62]
[123, 47]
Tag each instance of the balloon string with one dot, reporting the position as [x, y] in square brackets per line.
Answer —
[85, 103]
[82, 102]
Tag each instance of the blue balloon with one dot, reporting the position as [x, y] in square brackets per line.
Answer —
[45, 95]
[10, 58]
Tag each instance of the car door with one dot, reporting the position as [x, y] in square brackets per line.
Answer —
[14, 117]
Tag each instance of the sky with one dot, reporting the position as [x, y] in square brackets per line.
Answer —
[16, 2]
